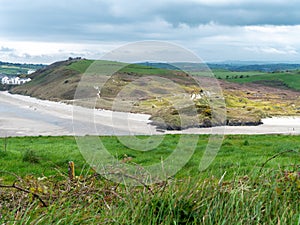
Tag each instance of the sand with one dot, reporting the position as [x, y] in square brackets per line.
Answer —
[26, 116]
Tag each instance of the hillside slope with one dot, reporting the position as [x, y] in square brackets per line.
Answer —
[145, 89]
[57, 81]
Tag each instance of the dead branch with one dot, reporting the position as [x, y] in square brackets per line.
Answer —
[14, 186]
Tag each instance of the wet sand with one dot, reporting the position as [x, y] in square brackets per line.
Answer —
[25, 116]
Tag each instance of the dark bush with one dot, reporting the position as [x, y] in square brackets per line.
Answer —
[31, 156]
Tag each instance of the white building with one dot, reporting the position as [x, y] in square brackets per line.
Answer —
[30, 72]
[14, 80]
[4, 80]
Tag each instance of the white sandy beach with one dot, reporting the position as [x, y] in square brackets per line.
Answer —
[26, 116]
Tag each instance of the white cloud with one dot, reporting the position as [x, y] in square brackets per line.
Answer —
[211, 42]
[49, 52]
[273, 50]
[6, 49]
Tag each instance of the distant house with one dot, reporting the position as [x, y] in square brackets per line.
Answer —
[5, 80]
[30, 72]
[14, 80]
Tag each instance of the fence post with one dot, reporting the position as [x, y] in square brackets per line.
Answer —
[71, 170]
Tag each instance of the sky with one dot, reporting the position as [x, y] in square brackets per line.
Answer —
[44, 31]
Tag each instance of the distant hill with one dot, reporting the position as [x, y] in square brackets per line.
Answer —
[59, 80]
[278, 75]
[233, 66]
[256, 67]
[138, 86]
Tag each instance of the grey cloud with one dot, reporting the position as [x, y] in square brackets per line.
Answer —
[254, 13]
[212, 27]
[68, 20]
[56, 17]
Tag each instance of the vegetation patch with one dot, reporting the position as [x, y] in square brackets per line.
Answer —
[31, 157]
[254, 179]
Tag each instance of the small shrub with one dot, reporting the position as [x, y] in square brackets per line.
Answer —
[246, 143]
[3, 153]
[207, 112]
[31, 156]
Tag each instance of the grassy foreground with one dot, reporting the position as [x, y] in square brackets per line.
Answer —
[253, 180]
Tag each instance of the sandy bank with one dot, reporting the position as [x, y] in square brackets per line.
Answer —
[26, 116]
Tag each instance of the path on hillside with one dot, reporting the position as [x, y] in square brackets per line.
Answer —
[26, 116]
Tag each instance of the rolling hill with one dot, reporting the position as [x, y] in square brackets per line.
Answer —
[164, 92]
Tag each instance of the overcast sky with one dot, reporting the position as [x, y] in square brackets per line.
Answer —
[44, 31]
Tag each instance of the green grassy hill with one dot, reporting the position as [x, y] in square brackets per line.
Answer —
[157, 91]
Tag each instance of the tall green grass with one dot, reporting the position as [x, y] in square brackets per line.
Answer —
[269, 197]
[253, 180]
[243, 152]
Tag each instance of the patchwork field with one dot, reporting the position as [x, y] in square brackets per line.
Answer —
[15, 69]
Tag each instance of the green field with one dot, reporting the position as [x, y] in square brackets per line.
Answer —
[55, 153]
[226, 74]
[12, 70]
[18, 69]
[289, 79]
[83, 65]
[253, 180]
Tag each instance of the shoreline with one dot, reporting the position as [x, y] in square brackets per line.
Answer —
[27, 116]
